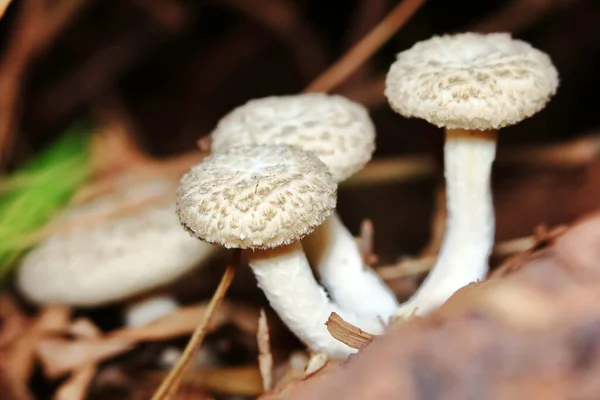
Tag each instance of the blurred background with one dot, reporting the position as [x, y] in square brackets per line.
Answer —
[172, 68]
[169, 69]
[165, 71]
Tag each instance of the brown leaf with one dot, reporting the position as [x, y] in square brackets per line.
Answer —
[242, 381]
[60, 356]
[11, 388]
[183, 322]
[531, 334]
[13, 321]
[20, 357]
[295, 381]
[347, 333]
[76, 387]
[265, 358]
[84, 328]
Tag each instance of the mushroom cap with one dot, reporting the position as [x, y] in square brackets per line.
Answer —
[116, 259]
[256, 196]
[471, 81]
[338, 130]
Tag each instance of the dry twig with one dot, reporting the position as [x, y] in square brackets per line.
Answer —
[172, 380]
[365, 48]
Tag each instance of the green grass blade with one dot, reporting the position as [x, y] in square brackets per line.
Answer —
[32, 195]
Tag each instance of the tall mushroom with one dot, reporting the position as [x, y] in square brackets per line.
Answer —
[472, 85]
[342, 135]
[264, 199]
[128, 257]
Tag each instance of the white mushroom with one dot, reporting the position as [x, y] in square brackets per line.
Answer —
[342, 135]
[470, 84]
[124, 257]
[264, 199]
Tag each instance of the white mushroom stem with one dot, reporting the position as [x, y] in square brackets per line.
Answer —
[355, 287]
[469, 235]
[286, 278]
[144, 310]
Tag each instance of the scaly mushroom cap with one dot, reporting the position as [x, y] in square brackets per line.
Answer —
[338, 130]
[256, 197]
[471, 81]
[117, 258]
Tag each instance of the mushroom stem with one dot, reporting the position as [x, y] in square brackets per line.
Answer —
[469, 235]
[285, 276]
[355, 287]
[143, 310]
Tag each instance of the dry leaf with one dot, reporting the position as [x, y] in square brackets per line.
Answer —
[184, 320]
[12, 321]
[289, 386]
[84, 328]
[11, 388]
[75, 388]
[531, 334]
[243, 381]
[20, 357]
[265, 358]
[59, 356]
[347, 333]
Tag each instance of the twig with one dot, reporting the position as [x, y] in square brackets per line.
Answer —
[392, 170]
[416, 266]
[365, 48]
[366, 16]
[170, 383]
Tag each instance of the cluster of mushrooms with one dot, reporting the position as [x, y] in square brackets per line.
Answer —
[270, 189]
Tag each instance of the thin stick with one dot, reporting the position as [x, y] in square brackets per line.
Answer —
[170, 383]
[365, 48]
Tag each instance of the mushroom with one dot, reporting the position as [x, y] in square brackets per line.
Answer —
[264, 199]
[472, 85]
[121, 258]
[342, 135]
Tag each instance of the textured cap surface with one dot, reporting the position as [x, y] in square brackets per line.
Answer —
[256, 196]
[471, 81]
[116, 259]
[338, 130]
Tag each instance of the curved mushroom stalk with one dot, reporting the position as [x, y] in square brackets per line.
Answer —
[355, 287]
[286, 278]
[149, 308]
[469, 236]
